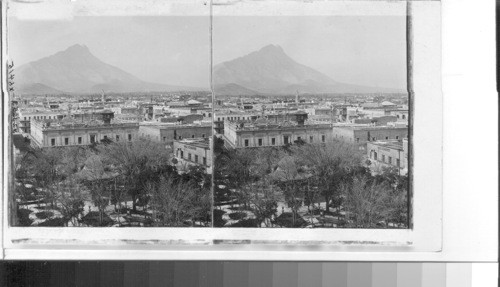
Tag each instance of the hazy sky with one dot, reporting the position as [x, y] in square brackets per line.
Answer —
[366, 50]
[169, 50]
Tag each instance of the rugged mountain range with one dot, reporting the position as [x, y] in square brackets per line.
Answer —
[271, 71]
[77, 70]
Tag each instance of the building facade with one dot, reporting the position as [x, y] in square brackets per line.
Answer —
[261, 134]
[388, 154]
[364, 134]
[54, 133]
[169, 132]
[189, 152]
[25, 117]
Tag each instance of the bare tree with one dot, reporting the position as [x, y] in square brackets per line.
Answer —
[136, 162]
[71, 201]
[97, 181]
[367, 203]
[174, 202]
[331, 165]
[291, 177]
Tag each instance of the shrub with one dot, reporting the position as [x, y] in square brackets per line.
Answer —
[44, 214]
[23, 216]
[218, 221]
[237, 215]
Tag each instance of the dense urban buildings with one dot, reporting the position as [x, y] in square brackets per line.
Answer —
[286, 161]
[108, 160]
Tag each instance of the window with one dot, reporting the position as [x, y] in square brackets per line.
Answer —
[390, 160]
[204, 161]
[105, 137]
[79, 140]
[182, 154]
[203, 135]
[386, 138]
[357, 140]
[273, 141]
[398, 162]
[92, 138]
[404, 117]
[189, 156]
[285, 139]
[192, 136]
[323, 138]
[117, 138]
[310, 139]
[397, 137]
[299, 138]
[66, 141]
[383, 157]
[164, 139]
[246, 142]
[196, 158]
[52, 142]
[375, 157]
[260, 142]
[129, 137]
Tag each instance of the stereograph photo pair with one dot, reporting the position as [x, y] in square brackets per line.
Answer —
[203, 127]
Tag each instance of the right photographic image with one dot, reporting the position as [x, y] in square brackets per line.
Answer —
[312, 119]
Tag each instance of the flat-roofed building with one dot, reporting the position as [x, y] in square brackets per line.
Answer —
[168, 132]
[264, 133]
[220, 117]
[364, 134]
[400, 114]
[378, 121]
[25, 117]
[388, 154]
[68, 132]
[189, 152]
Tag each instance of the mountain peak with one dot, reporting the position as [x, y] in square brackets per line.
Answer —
[270, 70]
[78, 48]
[272, 48]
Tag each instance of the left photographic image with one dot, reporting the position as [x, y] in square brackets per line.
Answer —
[111, 121]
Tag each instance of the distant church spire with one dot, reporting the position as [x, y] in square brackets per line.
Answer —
[103, 97]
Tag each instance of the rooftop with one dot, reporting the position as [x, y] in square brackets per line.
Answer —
[368, 127]
[68, 123]
[394, 144]
[160, 125]
[196, 142]
[263, 124]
